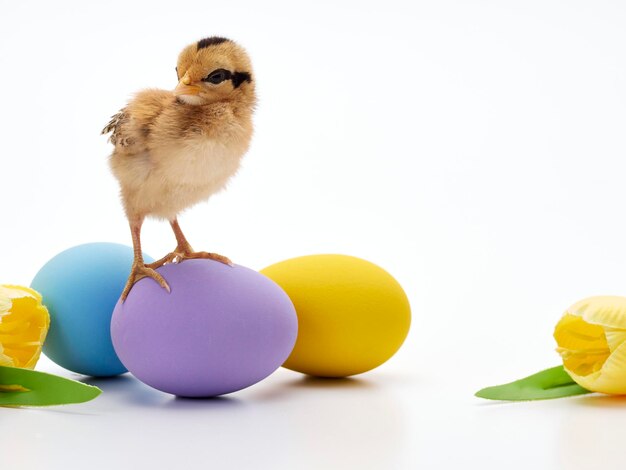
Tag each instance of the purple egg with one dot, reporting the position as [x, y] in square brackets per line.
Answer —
[220, 329]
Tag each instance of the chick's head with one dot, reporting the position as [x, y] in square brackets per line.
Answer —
[213, 69]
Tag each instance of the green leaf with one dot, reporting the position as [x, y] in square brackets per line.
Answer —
[550, 383]
[24, 387]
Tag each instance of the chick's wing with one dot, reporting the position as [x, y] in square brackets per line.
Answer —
[131, 127]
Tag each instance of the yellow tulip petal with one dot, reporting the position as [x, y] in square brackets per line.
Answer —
[575, 333]
[24, 323]
[611, 378]
[614, 337]
[5, 360]
[5, 306]
[5, 303]
[591, 338]
[606, 310]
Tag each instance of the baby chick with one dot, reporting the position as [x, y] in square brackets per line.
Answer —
[176, 148]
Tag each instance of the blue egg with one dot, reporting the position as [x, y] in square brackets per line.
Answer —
[80, 287]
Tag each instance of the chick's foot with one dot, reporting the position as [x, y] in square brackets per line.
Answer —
[206, 255]
[183, 252]
[139, 271]
[168, 258]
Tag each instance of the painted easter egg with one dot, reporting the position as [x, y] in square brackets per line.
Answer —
[220, 329]
[353, 315]
[80, 287]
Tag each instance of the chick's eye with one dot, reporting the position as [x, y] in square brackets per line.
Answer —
[217, 76]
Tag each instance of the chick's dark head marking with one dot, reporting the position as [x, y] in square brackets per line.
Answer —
[213, 69]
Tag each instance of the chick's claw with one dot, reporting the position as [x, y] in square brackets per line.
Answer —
[139, 271]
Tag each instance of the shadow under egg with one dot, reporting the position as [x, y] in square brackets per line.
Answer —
[312, 382]
[203, 403]
[127, 389]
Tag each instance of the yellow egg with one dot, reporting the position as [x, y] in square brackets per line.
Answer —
[352, 314]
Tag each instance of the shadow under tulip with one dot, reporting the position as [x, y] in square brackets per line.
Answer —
[598, 400]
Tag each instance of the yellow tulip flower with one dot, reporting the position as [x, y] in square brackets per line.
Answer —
[591, 338]
[24, 323]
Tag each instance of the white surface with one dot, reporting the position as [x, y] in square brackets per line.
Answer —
[473, 149]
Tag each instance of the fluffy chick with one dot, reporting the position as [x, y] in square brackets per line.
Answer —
[176, 148]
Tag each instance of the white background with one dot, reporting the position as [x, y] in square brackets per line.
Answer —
[474, 149]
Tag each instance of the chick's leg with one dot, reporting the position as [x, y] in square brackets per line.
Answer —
[140, 269]
[184, 251]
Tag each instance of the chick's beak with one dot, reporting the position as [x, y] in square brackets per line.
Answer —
[185, 87]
